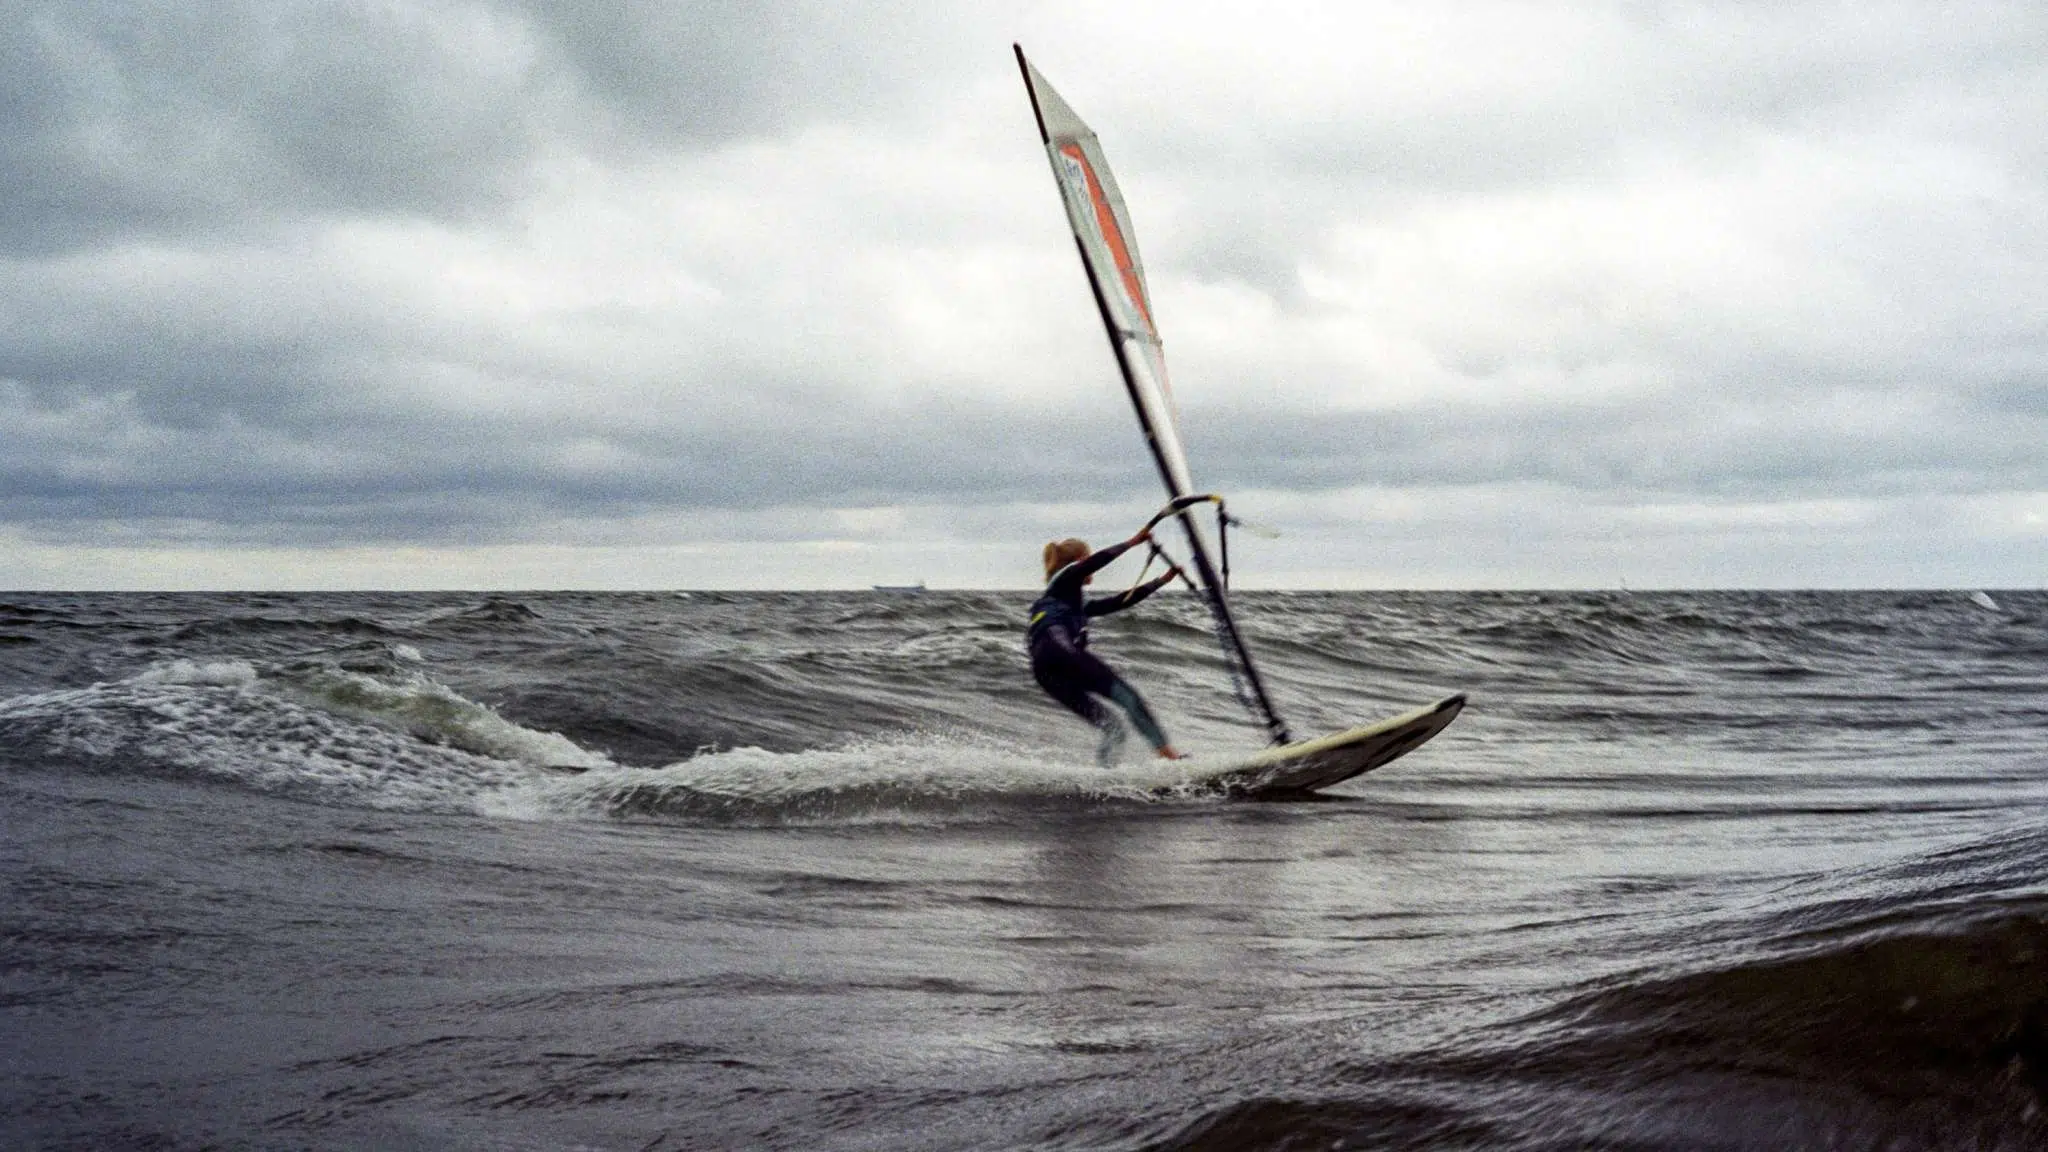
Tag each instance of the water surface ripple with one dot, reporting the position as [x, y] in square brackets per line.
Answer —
[721, 870]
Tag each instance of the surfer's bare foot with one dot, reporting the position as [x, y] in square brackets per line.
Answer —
[1167, 753]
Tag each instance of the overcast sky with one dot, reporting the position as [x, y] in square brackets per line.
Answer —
[552, 293]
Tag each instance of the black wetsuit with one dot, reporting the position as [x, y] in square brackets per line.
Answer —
[1062, 664]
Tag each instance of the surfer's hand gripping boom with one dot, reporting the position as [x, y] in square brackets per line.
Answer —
[1224, 523]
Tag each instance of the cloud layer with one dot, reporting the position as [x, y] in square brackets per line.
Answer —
[780, 294]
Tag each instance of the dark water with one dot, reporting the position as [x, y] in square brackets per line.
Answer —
[823, 871]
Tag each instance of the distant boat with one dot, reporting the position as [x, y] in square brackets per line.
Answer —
[1983, 600]
[917, 587]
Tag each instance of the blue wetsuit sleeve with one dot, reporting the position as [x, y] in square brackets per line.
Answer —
[1104, 605]
[1097, 561]
[1066, 583]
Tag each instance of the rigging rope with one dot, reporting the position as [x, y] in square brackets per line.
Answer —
[1240, 680]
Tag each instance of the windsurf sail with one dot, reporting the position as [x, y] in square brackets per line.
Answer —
[1109, 255]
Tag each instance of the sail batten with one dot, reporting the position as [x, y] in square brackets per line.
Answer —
[1116, 274]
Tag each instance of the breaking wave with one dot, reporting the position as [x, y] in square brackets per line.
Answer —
[401, 740]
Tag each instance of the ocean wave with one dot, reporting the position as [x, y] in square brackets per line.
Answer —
[1937, 1033]
[435, 714]
[325, 734]
[217, 673]
[550, 681]
[321, 731]
[1905, 1005]
[230, 627]
[495, 610]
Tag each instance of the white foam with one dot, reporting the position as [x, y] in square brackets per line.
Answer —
[908, 777]
[433, 712]
[924, 764]
[221, 673]
[333, 734]
[158, 723]
[412, 743]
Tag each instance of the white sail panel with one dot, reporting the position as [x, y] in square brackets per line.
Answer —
[1095, 209]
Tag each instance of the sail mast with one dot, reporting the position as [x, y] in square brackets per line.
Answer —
[1108, 250]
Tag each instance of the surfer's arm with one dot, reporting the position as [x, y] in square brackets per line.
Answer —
[1104, 605]
[1103, 558]
[1067, 582]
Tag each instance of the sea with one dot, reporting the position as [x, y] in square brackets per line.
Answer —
[710, 870]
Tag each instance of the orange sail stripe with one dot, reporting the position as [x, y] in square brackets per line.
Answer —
[1114, 237]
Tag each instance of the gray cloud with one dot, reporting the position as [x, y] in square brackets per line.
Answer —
[474, 477]
[133, 119]
[136, 119]
[1649, 449]
[717, 71]
[463, 274]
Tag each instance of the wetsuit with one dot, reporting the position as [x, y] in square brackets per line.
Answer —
[1062, 664]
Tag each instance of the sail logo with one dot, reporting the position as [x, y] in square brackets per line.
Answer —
[1095, 214]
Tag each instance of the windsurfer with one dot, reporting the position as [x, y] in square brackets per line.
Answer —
[1058, 640]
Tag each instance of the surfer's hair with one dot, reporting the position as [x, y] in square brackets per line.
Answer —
[1061, 553]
